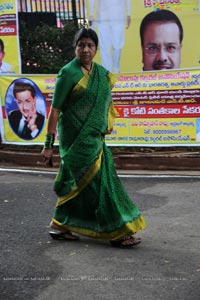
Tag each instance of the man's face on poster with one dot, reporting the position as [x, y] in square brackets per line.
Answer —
[161, 47]
[26, 103]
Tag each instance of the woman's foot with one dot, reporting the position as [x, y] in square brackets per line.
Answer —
[62, 233]
[126, 242]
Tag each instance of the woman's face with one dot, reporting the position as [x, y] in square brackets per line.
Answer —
[85, 50]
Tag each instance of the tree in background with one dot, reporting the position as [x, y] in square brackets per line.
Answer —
[46, 49]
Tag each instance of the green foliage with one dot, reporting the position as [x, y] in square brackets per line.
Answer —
[46, 49]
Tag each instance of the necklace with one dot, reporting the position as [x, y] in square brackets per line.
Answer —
[88, 70]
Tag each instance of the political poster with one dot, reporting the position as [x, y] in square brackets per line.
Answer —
[153, 109]
[146, 35]
[10, 59]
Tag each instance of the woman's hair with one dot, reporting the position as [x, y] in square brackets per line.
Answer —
[85, 33]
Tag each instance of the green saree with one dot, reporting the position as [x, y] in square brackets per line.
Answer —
[91, 199]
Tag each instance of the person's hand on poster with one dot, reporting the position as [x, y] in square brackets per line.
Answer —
[31, 117]
[128, 22]
[91, 20]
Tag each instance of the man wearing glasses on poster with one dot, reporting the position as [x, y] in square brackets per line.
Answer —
[161, 35]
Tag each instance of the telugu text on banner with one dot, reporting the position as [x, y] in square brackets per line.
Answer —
[153, 109]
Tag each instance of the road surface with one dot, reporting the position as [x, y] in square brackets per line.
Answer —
[166, 265]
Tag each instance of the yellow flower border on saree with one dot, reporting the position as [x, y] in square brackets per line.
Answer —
[130, 227]
[83, 182]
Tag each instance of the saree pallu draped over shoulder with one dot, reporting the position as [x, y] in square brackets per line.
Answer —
[91, 199]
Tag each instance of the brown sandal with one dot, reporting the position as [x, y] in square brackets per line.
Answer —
[126, 242]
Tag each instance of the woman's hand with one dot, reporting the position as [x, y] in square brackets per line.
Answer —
[47, 155]
[128, 22]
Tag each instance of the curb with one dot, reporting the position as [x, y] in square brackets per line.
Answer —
[162, 161]
[123, 161]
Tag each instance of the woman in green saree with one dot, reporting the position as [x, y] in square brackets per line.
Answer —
[91, 199]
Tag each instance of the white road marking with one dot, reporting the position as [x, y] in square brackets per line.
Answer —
[142, 175]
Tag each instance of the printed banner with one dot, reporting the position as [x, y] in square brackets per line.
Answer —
[10, 61]
[161, 108]
[146, 35]
[19, 106]
[153, 109]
